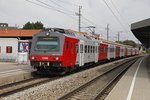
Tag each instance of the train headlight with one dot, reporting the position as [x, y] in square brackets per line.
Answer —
[47, 34]
[56, 58]
[32, 57]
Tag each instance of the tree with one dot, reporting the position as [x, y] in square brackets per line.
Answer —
[28, 25]
[128, 42]
[37, 25]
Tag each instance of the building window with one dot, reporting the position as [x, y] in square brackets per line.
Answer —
[9, 49]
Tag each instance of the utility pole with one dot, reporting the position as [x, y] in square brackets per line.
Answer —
[118, 36]
[80, 18]
[79, 14]
[107, 32]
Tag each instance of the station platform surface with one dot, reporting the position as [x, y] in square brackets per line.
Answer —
[135, 84]
[8, 67]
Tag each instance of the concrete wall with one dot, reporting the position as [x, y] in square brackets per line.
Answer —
[4, 42]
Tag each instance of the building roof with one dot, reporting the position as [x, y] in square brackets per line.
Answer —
[141, 30]
[17, 33]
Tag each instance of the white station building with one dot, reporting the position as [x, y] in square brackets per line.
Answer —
[15, 45]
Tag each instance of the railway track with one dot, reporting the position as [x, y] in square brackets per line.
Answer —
[25, 84]
[22, 85]
[94, 89]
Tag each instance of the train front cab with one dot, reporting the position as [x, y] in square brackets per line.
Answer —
[50, 51]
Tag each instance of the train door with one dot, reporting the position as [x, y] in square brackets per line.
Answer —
[96, 52]
[81, 53]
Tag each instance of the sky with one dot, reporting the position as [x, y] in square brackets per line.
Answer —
[119, 14]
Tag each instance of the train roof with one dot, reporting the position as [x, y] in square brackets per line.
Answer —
[84, 36]
[71, 33]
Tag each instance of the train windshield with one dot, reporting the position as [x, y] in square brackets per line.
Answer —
[47, 44]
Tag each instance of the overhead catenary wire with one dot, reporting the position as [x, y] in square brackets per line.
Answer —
[71, 15]
[119, 12]
[92, 22]
[70, 3]
[47, 6]
[82, 15]
[52, 7]
[54, 2]
[100, 26]
[115, 16]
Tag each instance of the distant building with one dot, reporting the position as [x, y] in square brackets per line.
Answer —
[15, 44]
[5, 26]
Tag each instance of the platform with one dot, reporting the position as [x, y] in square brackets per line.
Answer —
[10, 66]
[135, 84]
[13, 72]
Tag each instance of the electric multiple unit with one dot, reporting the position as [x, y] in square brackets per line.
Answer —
[64, 50]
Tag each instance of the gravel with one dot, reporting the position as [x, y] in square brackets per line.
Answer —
[57, 88]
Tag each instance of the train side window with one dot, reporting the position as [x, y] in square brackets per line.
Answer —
[91, 49]
[106, 49]
[9, 49]
[86, 49]
[81, 48]
[110, 49]
[67, 45]
[77, 48]
[100, 49]
[95, 49]
[0, 49]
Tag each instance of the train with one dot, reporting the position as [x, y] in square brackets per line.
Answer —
[62, 50]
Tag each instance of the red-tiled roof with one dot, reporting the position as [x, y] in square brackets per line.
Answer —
[17, 33]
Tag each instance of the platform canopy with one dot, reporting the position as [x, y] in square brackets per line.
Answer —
[141, 30]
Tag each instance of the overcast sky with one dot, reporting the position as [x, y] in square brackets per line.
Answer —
[61, 13]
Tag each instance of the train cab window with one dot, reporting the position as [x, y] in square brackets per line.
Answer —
[9, 49]
[47, 44]
[86, 49]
